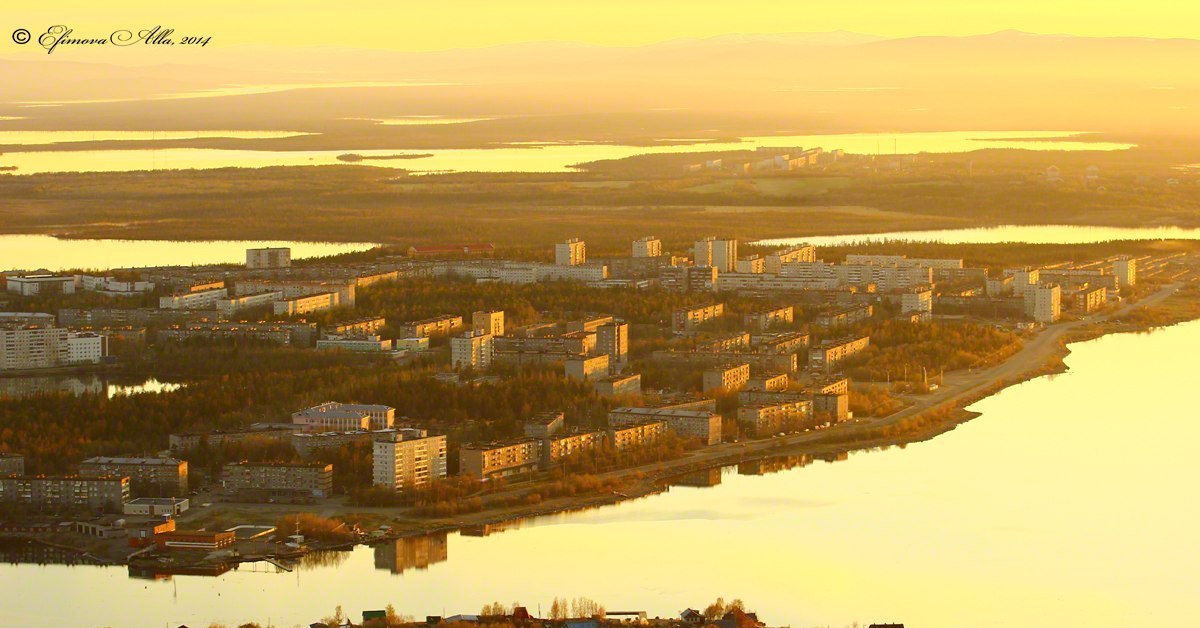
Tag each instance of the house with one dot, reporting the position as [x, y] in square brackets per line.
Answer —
[692, 616]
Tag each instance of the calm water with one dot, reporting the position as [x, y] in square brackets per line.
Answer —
[1036, 234]
[550, 157]
[15, 387]
[31, 252]
[1060, 506]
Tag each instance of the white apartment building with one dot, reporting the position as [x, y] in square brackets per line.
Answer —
[573, 252]
[720, 254]
[917, 300]
[1024, 279]
[86, 348]
[1043, 302]
[648, 246]
[268, 258]
[752, 265]
[205, 299]
[305, 304]
[488, 322]
[334, 416]
[411, 459]
[32, 347]
[229, 306]
[472, 350]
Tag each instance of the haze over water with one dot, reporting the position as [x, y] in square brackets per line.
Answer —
[1059, 506]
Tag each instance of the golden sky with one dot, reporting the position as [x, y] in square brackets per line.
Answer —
[435, 25]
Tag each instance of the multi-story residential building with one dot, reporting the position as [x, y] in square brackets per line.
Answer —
[756, 397]
[770, 317]
[360, 344]
[488, 322]
[333, 415]
[1090, 298]
[184, 441]
[648, 246]
[830, 385]
[306, 304]
[409, 460]
[544, 424]
[752, 264]
[299, 334]
[65, 492]
[308, 443]
[690, 318]
[780, 342]
[346, 289]
[280, 257]
[436, 326]
[726, 377]
[689, 278]
[612, 339]
[365, 326]
[998, 286]
[800, 253]
[113, 287]
[619, 385]
[723, 256]
[573, 252]
[917, 300]
[771, 362]
[12, 464]
[1043, 302]
[586, 367]
[262, 481]
[735, 341]
[767, 419]
[1125, 268]
[559, 446]
[486, 461]
[232, 305]
[831, 405]
[574, 342]
[844, 316]
[1024, 279]
[636, 434]
[86, 347]
[36, 319]
[31, 285]
[769, 381]
[472, 350]
[590, 323]
[830, 353]
[700, 424]
[26, 346]
[149, 477]
[205, 299]
[412, 344]
[901, 260]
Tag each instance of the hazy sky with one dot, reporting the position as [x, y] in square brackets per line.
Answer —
[429, 25]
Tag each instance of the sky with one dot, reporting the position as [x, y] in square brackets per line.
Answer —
[429, 25]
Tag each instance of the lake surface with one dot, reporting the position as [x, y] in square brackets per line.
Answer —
[91, 383]
[1035, 234]
[534, 157]
[31, 252]
[1069, 502]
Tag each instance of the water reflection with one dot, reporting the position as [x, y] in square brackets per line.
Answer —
[414, 552]
[1034, 234]
[77, 385]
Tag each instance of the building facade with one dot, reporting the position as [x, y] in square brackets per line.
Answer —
[410, 460]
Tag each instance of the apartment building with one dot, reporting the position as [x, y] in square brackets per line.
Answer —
[752, 264]
[917, 301]
[436, 326]
[834, 405]
[771, 362]
[488, 322]
[700, 424]
[726, 377]
[755, 397]
[573, 252]
[774, 261]
[1125, 268]
[183, 441]
[499, 459]
[410, 460]
[278, 257]
[903, 260]
[149, 477]
[999, 286]
[735, 341]
[1023, 279]
[472, 350]
[263, 481]
[306, 304]
[576, 342]
[359, 344]
[299, 334]
[336, 416]
[767, 419]
[770, 317]
[619, 385]
[544, 424]
[31, 285]
[308, 443]
[769, 381]
[830, 353]
[27, 346]
[612, 339]
[720, 254]
[106, 494]
[844, 316]
[86, 347]
[648, 246]
[364, 326]
[559, 446]
[689, 278]
[1043, 302]
[690, 318]
[232, 305]
[204, 299]
[346, 289]
[586, 367]
[636, 434]
[1090, 299]
[589, 323]
[12, 464]
[780, 342]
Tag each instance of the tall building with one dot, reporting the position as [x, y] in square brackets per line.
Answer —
[149, 477]
[261, 481]
[86, 347]
[702, 251]
[268, 258]
[573, 252]
[721, 254]
[472, 350]
[648, 246]
[32, 346]
[492, 460]
[612, 339]
[1043, 302]
[409, 460]
[491, 322]
[1125, 268]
